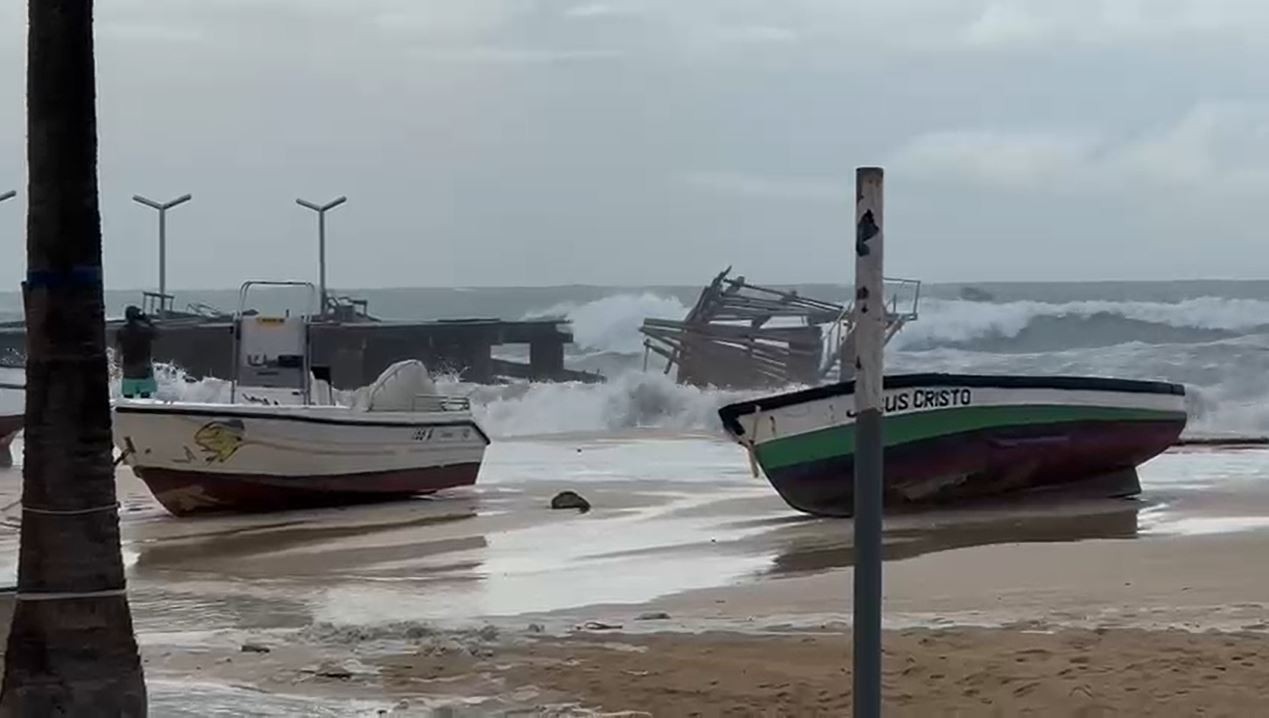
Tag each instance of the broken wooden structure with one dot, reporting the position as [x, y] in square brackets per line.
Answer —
[742, 335]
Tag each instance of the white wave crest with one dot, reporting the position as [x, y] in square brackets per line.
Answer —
[634, 400]
[945, 321]
[612, 324]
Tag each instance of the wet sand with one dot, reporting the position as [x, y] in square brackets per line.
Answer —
[482, 598]
[979, 672]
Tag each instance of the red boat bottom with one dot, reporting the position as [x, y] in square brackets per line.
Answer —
[184, 493]
[1080, 458]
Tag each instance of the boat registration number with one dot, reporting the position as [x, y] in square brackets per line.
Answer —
[435, 433]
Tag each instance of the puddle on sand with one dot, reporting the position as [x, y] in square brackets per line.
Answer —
[182, 699]
[1201, 525]
[662, 510]
[189, 699]
[819, 545]
[1185, 469]
[567, 562]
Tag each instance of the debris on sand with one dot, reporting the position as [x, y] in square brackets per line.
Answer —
[353, 634]
[255, 648]
[426, 640]
[570, 500]
[653, 616]
[333, 670]
[598, 626]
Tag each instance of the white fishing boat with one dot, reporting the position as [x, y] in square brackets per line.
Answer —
[273, 447]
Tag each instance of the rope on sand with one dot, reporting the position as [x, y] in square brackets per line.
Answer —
[69, 512]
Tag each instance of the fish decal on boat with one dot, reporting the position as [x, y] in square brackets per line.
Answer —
[220, 440]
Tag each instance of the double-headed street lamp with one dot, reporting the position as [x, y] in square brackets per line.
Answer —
[162, 208]
[321, 210]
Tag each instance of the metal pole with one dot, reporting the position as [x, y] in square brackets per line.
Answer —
[870, 333]
[321, 260]
[162, 208]
[162, 262]
[321, 210]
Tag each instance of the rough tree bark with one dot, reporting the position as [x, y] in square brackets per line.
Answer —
[71, 648]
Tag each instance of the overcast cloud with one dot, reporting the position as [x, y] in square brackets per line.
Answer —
[509, 142]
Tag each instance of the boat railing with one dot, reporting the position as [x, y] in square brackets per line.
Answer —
[902, 301]
[438, 402]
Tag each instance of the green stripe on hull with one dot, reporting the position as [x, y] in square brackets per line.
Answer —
[903, 428]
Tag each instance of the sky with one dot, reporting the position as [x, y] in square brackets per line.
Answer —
[541, 142]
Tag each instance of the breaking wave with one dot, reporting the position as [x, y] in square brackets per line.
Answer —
[1218, 348]
[1228, 390]
[611, 324]
[633, 400]
[1042, 326]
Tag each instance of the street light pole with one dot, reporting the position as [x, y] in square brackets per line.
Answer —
[321, 210]
[162, 208]
[8, 195]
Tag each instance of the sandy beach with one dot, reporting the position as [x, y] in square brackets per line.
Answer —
[691, 589]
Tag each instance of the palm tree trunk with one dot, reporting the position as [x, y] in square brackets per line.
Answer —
[71, 648]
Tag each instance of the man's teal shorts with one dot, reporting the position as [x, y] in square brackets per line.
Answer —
[140, 388]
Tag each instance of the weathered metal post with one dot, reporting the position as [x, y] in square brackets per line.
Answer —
[870, 341]
[162, 262]
[162, 208]
[321, 210]
[321, 260]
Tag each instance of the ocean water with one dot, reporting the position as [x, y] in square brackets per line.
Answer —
[1212, 336]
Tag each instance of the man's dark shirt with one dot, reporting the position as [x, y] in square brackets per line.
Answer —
[135, 340]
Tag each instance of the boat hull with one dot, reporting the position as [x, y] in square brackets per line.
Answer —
[983, 437]
[184, 493]
[208, 458]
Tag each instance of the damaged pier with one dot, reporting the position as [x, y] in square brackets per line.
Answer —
[357, 348]
[742, 335]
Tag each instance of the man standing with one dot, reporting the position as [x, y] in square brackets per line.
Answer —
[135, 339]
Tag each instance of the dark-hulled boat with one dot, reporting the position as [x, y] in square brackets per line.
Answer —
[952, 437]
